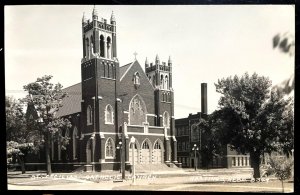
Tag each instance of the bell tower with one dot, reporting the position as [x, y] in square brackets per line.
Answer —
[100, 84]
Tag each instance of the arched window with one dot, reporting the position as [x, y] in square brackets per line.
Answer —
[87, 48]
[166, 119]
[162, 83]
[157, 145]
[108, 71]
[104, 69]
[75, 132]
[136, 79]
[145, 145]
[109, 115]
[166, 82]
[153, 80]
[101, 46]
[113, 71]
[92, 46]
[137, 111]
[109, 148]
[108, 47]
[89, 115]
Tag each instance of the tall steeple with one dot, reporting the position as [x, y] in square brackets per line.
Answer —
[157, 60]
[83, 18]
[112, 18]
[169, 61]
[95, 13]
[146, 63]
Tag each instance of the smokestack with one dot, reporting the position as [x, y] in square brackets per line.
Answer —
[204, 98]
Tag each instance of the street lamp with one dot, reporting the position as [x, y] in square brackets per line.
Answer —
[119, 147]
[123, 154]
[195, 149]
[132, 142]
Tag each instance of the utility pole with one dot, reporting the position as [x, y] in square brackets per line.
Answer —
[123, 149]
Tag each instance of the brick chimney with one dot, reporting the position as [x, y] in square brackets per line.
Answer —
[204, 98]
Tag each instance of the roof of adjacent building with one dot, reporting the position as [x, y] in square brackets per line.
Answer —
[72, 102]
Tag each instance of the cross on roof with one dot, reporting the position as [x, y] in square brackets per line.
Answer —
[135, 54]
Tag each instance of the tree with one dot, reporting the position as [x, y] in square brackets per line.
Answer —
[255, 119]
[211, 145]
[46, 99]
[19, 151]
[285, 42]
[15, 121]
[282, 168]
[19, 138]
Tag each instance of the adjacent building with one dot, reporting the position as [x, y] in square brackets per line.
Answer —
[190, 142]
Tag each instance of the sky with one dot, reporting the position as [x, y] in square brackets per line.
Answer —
[205, 42]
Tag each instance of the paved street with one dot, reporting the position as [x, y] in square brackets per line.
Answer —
[174, 181]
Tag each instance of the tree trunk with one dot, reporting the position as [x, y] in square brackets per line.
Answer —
[255, 163]
[47, 147]
[282, 186]
[22, 163]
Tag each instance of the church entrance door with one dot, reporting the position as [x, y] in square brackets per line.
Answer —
[157, 154]
[145, 153]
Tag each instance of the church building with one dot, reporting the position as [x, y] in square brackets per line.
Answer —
[112, 101]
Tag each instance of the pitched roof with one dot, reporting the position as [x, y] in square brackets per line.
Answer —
[124, 68]
[72, 102]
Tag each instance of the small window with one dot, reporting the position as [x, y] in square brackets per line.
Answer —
[109, 148]
[136, 79]
[89, 112]
[145, 145]
[166, 119]
[157, 145]
[109, 115]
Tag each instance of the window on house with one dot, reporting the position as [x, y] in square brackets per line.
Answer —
[109, 115]
[89, 113]
[136, 78]
[166, 119]
[109, 148]
[75, 132]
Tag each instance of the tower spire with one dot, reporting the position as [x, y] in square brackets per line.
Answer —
[95, 12]
[146, 62]
[112, 18]
[156, 59]
[83, 18]
[169, 61]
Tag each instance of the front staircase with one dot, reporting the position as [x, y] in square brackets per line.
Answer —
[146, 168]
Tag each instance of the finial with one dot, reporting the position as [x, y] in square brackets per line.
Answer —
[83, 18]
[112, 18]
[169, 61]
[146, 62]
[135, 54]
[157, 59]
[95, 13]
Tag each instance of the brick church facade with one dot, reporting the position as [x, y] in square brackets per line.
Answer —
[111, 101]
